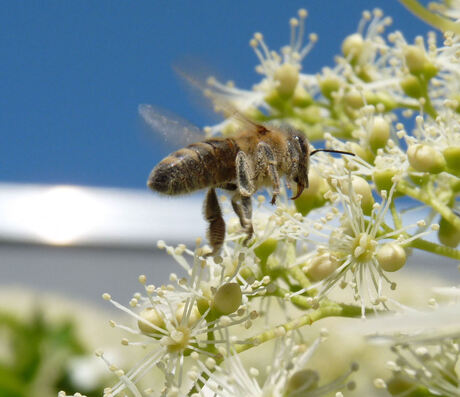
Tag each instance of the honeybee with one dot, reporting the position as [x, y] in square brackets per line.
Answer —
[257, 155]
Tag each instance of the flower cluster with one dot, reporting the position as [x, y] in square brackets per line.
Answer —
[336, 250]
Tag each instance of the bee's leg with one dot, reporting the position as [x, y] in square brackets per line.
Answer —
[243, 175]
[266, 163]
[243, 210]
[213, 214]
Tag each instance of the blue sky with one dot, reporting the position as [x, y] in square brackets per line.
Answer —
[72, 74]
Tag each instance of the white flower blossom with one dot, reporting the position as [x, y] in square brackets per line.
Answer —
[287, 375]
[356, 247]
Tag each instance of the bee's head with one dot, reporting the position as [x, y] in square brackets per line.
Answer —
[300, 161]
[300, 153]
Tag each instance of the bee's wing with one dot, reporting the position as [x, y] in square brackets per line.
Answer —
[221, 103]
[174, 129]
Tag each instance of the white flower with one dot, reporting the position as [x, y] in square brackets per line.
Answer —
[287, 375]
[426, 345]
[281, 76]
[361, 247]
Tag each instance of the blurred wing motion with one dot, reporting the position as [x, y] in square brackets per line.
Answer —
[221, 102]
[174, 129]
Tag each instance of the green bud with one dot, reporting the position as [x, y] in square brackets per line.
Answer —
[425, 158]
[365, 72]
[202, 304]
[379, 134]
[328, 85]
[429, 70]
[452, 157]
[228, 298]
[380, 98]
[415, 59]
[305, 380]
[391, 257]
[301, 97]
[152, 316]
[354, 99]
[399, 386]
[313, 196]
[448, 234]
[417, 178]
[274, 99]
[383, 178]
[352, 46]
[361, 187]
[310, 114]
[264, 250]
[321, 266]
[412, 87]
[193, 316]
[287, 76]
[418, 63]
[362, 152]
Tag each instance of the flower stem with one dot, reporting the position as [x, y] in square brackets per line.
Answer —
[437, 21]
[424, 245]
[435, 248]
[299, 276]
[327, 309]
[430, 200]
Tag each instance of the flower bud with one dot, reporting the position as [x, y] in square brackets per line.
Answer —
[383, 178]
[152, 316]
[264, 250]
[193, 317]
[452, 157]
[287, 76]
[352, 46]
[362, 152]
[448, 234]
[375, 99]
[304, 380]
[379, 134]
[274, 99]
[328, 85]
[361, 187]
[399, 386]
[415, 59]
[354, 99]
[228, 298]
[202, 304]
[425, 158]
[321, 266]
[310, 114]
[391, 257]
[313, 196]
[411, 86]
[301, 97]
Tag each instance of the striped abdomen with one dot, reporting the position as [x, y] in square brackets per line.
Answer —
[197, 166]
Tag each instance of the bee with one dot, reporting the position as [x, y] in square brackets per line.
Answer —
[257, 155]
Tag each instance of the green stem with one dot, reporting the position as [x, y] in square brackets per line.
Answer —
[396, 217]
[328, 309]
[298, 300]
[435, 248]
[431, 201]
[297, 273]
[424, 245]
[435, 20]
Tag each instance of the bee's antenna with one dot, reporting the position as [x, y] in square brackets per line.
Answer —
[330, 151]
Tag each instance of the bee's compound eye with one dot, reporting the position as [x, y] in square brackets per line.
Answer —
[296, 179]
